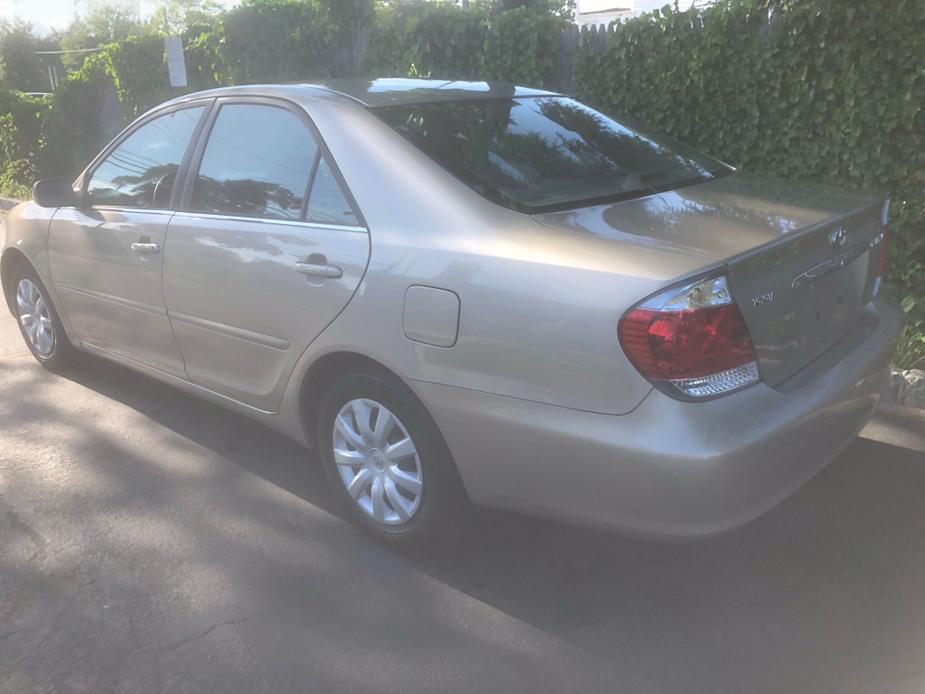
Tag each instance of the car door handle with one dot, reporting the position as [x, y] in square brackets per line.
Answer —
[146, 248]
[318, 270]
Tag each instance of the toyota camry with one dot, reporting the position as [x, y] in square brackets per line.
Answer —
[469, 292]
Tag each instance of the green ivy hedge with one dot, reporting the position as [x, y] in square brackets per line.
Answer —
[523, 47]
[427, 39]
[22, 140]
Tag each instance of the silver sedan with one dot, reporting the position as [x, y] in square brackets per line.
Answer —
[471, 292]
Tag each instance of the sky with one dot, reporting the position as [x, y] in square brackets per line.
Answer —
[46, 15]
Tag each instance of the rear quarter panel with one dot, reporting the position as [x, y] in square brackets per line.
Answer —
[538, 307]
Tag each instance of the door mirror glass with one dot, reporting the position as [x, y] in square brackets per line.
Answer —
[54, 192]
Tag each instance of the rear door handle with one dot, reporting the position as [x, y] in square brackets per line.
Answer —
[318, 270]
[146, 248]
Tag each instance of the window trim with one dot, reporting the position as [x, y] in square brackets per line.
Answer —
[311, 184]
[83, 181]
[270, 220]
[293, 107]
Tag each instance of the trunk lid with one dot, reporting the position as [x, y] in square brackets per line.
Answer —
[798, 255]
[800, 295]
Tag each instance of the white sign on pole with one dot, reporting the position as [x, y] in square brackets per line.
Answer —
[176, 64]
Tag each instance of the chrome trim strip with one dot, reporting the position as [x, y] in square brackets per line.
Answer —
[117, 300]
[277, 343]
[170, 378]
[264, 220]
[129, 210]
[829, 265]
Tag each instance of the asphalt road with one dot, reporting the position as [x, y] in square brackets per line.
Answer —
[152, 542]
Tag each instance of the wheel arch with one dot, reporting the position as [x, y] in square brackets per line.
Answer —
[328, 368]
[10, 259]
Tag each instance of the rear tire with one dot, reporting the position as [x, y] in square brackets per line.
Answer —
[38, 321]
[387, 461]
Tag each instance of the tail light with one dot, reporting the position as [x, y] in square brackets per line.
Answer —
[879, 241]
[691, 340]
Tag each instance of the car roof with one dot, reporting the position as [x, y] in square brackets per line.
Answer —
[389, 91]
[397, 91]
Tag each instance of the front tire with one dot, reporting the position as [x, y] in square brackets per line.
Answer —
[38, 320]
[387, 461]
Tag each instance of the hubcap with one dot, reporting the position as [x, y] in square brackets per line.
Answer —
[377, 461]
[34, 317]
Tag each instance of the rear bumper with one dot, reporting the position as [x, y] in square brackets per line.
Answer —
[668, 468]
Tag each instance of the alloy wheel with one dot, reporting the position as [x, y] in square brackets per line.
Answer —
[377, 461]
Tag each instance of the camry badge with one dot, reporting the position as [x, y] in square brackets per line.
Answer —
[838, 238]
[762, 299]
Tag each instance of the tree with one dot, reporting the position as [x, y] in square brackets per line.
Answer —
[20, 67]
[557, 7]
[185, 17]
[101, 23]
[345, 13]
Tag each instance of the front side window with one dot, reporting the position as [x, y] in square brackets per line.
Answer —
[256, 163]
[539, 154]
[142, 169]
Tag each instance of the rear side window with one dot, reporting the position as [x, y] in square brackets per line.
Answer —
[256, 163]
[327, 203]
[141, 171]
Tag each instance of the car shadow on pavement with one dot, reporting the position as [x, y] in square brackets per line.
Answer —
[834, 573]
[236, 438]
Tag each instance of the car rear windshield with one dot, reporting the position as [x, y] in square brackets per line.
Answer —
[538, 154]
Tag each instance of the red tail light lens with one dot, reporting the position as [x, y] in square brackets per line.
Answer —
[693, 338]
[686, 344]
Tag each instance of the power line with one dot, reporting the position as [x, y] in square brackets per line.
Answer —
[71, 50]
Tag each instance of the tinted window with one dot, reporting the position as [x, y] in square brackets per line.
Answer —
[547, 153]
[327, 202]
[256, 163]
[141, 171]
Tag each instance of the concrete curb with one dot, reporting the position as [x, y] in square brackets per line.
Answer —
[8, 203]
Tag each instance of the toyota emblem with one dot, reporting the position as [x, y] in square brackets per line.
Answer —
[838, 238]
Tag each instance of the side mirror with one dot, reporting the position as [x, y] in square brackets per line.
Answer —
[54, 192]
